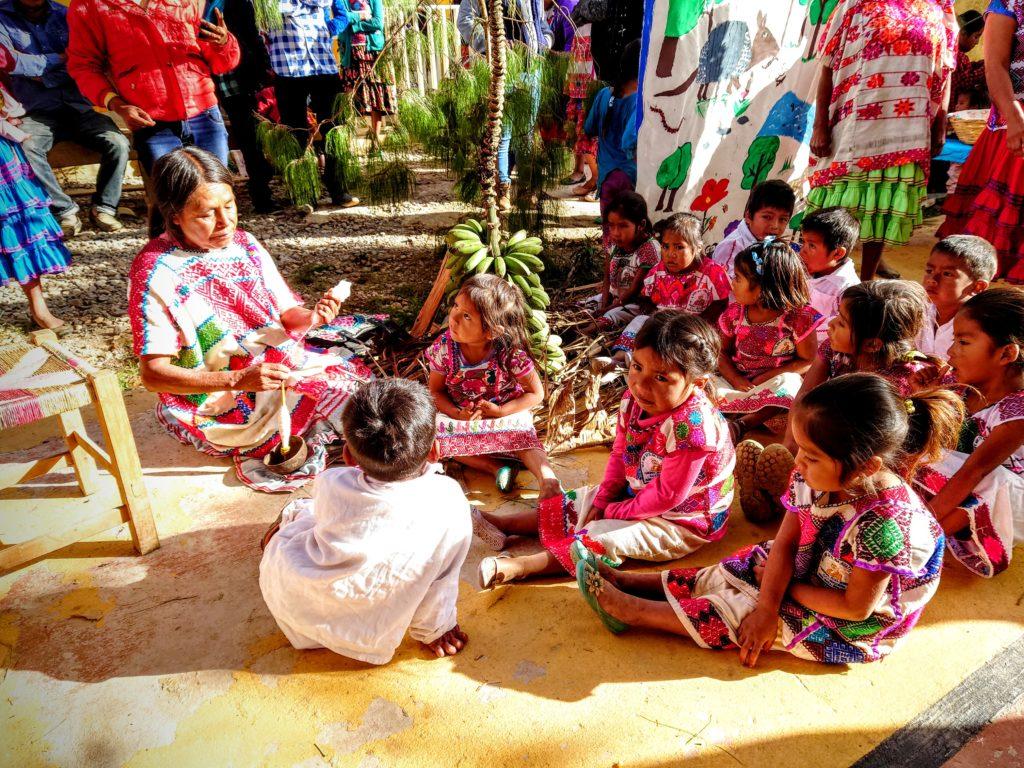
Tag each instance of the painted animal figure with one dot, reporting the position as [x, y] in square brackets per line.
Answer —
[729, 52]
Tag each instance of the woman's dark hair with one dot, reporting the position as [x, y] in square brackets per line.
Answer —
[176, 176]
[389, 428]
[854, 417]
[891, 311]
[686, 341]
[1000, 314]
[971, 22]
[775, 268]
[632, 207]
[687, 226]
[629, 66]
[502, 313]
[836, 226]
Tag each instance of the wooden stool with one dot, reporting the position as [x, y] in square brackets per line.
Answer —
[43, 379]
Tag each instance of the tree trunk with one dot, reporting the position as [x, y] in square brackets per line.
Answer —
[495, 110]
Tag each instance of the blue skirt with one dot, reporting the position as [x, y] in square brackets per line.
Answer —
[31, 242]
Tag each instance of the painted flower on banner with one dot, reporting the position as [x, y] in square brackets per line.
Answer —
[714, 191]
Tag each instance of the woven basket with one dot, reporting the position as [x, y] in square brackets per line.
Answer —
[968, 124]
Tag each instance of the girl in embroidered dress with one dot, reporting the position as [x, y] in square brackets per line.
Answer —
[977, 491]
[768, 337]
[668, 484]
[217, 330]
[31, 242]
[683, 279]
[485, 384]
[873, 332]
[881, 115]
[855, 560]
[633, 253]
[989, 197]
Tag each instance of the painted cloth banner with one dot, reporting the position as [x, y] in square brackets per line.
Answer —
[727, 95]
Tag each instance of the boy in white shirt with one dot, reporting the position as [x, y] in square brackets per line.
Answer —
[960, 266]
[769, 209]
[378, 549]
[827, 237]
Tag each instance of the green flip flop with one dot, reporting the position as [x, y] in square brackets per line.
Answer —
[590, 583]
[578, 551]
[506, 478]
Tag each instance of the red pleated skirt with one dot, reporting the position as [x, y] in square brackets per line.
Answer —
[989, 202]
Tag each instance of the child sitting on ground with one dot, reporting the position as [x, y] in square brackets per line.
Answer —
[854, 562]
[768, 338]
[874, 332]
[485, 384]
[683, 279]
[378, 548]
[632, 254]
[977, 491]
[769, 209]
[828, 237]
[668, 485]
[959, 267]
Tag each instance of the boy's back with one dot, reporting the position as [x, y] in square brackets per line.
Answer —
[363, 561]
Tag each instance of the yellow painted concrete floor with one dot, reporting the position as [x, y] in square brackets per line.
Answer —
[171, 659]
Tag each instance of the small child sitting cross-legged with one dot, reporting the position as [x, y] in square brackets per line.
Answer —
[683, 279]
[633, 253]
[377, 550]
[768, 338]
[977, 491]
[485, 384]
[855, 561]
[959, 267]
[668, 484]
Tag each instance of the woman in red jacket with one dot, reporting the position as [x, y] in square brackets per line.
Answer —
[152, 63]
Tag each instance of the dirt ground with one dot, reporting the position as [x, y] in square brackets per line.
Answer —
[109, 659]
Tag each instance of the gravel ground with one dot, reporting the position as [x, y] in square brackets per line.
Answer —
[386, 251]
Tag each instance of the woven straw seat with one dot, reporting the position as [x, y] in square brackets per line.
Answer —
[41, 380]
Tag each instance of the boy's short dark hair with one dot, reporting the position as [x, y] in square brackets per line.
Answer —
[389, 427]
[976, 255]
[836, 226]
[774, 193]
[970, 21]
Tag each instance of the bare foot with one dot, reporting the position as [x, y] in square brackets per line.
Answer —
[584, 189]
[448, 644]
[615, 602]
[47, 321]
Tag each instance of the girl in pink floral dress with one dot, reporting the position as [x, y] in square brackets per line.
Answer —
[977, 491]
[881, 106]
[683, 279]
[485, 384]
[768, 338]
[668, 484]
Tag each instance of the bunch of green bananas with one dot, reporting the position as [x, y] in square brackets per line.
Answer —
[520, 265]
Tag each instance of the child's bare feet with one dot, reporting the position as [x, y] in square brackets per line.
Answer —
[448, 644]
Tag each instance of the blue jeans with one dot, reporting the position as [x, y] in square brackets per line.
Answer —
[506, 157]
[90, 129]
[206, 131]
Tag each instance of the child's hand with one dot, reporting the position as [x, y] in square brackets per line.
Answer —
[448, 644]
[741, 384]
[762, 378]
[489, 410]
[757, 633]
[472, 413]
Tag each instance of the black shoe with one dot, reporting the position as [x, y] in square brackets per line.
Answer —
[344, 200]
